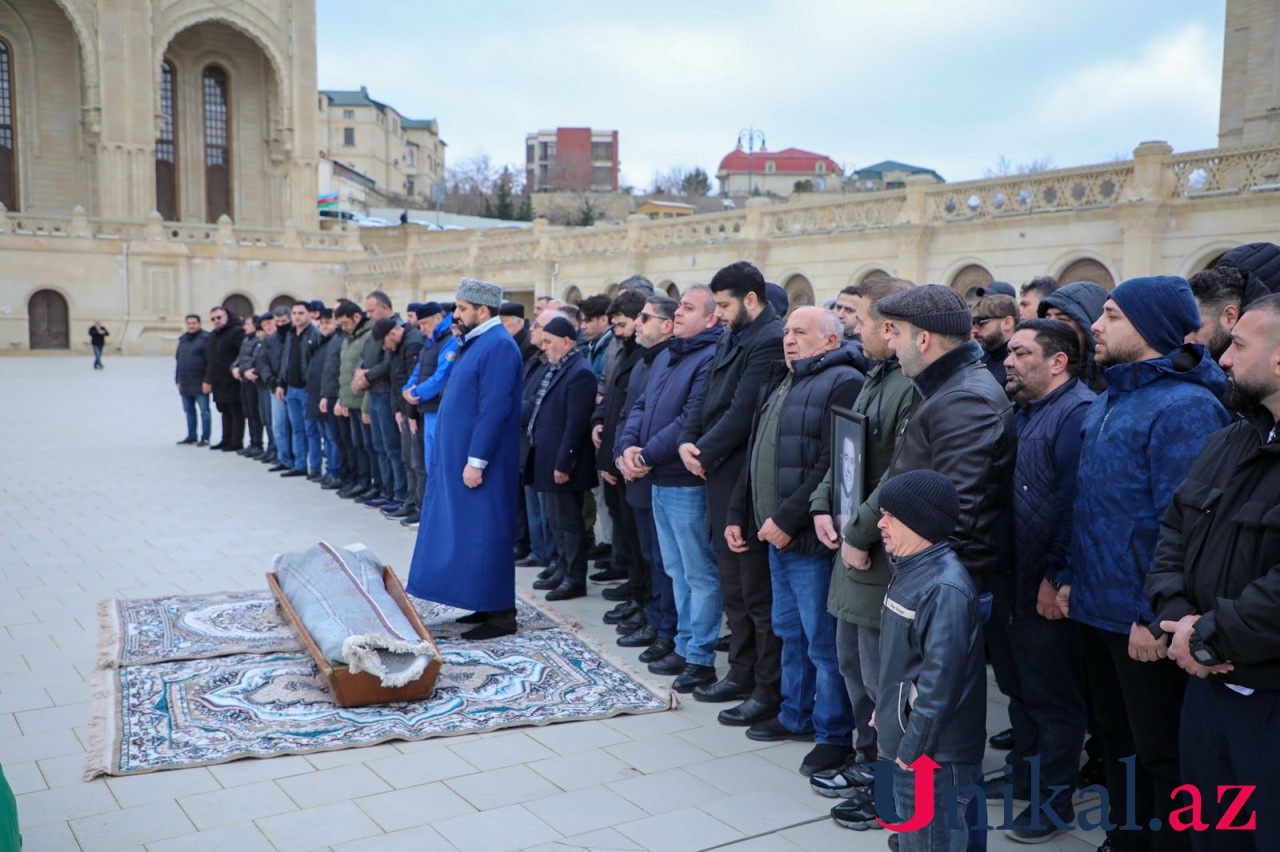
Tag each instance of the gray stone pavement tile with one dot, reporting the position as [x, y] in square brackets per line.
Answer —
[764, 843]
[742, 772]
[498, 788]
[318, 828]
[62, 771]
[24, 778]
[132, 827]
[666, 791]
[236, 804]
[54, 718]
[754, 812]
[39, 746]
[330, 786]
[584, 811]
[676, 831]
[349, 756]
[585, 769]
[578, 737]
[412, 770]
[254, 770]
[604, 839]
[49, 837]
[505, 749]
[131, 791]
[244, 837]
[419, 837]
[64, 803]
[498, 830]
[654, 754]
[423, 805]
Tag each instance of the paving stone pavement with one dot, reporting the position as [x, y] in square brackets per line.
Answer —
[98, 501]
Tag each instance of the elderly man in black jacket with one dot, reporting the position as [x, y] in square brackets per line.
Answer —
[561, 463]
[192, 360]
[713, 445]
[1214, 587]
[787, 457]
[224, 348]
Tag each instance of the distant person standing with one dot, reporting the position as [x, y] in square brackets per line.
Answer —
[193, 358]
[98, 337]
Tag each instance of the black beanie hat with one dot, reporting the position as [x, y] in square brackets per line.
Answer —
[925, 501]
[383, 327]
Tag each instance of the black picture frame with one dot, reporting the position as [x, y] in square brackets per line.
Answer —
[848, 463]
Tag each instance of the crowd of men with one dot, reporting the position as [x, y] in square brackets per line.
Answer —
[1077, 485]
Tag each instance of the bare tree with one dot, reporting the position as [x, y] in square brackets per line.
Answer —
[1005, 167]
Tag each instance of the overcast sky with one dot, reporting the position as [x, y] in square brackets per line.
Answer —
[936, 83]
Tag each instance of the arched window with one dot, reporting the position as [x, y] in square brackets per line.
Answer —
[820, 167]
[770, 166]
[167, 148]
[217, 143]
[8, 131]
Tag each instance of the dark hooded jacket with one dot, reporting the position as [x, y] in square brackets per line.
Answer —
[329, 381]
[1082, 301]
[639, 492]
[1259, 263]
[961, 425]
[192, 357]
[610, 414]
[224, 348]
[315, 373]
[802, 452]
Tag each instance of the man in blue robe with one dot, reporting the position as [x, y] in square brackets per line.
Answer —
[463, 555]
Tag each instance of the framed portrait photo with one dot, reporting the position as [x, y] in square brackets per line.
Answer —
[848, 463]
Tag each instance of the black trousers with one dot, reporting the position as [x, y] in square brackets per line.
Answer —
[626, 542]
[249, 402]
[755, 653]
[1229, 739]
[564, 512]
[1139, 708]
[342, 438]
[232, 423]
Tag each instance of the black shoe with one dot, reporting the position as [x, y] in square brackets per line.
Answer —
[1003, 740]
[858, 813]
[255, 453]
[346, 491]
[600, 551]
[392, 506]
[844, 782]
[315, 477]
[498, 624]
[660, 648]
[472, 618]
[549, 583]
[567, 591]
[548, 570]
[725, 689]
[331, 484]
[825, 756]
[268, 458]
[693, 676]
[617, 593]
[1044, 828]
[631, 623]
[749, 712]
[406, 510]
[216, 447]
[242, 451]
[996, 788]
[519, 553]
[527, 561]
[722, 644]
[1093, 772]
[186, 441]
[276, 468]
[606, 572]
[290, 473]
[230, 448]
[203, 442]
[642, 638]
[411, 523]
[621, 612]
[773, 731]
[376, 501]
[671, 664]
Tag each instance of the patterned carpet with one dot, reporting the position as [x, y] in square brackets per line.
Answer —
[204, 679]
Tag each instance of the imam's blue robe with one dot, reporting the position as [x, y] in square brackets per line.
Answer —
[463, 556]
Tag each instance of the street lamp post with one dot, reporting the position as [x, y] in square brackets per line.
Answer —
[750, 135]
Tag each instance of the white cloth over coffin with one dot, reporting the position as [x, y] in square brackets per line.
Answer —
[339, 596]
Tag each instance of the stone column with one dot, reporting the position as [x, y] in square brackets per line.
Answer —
[124, 149]
[1141, 211]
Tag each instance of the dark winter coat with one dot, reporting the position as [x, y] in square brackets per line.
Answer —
[440, 350]
[329, 386]
[657, 418]
[639, 492]
[315, 376]
[803, 452]
[609, 414]
[403, 360]
[994, 362]
[1140, 438]
[378, 362]
[224, 348]
[1083, 302]
[719, 423]
[1044, 488]
[1219, 551]
[961, 426]
[272, 353]
[308, 343]
[192, 362]
[562, 430]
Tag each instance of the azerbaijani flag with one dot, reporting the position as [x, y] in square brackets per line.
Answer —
[328, 200]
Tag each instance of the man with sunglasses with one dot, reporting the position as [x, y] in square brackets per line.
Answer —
[994, 317]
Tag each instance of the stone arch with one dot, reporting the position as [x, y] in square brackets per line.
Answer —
[969, 277]
[1086, 269]
[572, 294]
[799, 291]
[247, 20]
[1206, 257]
[284, 299]
[86, 38]
[611, 289]
[48, 320]
[239, 304]
[669, 287]
[863, 276]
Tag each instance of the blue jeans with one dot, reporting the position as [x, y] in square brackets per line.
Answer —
[955, 791]
[295, 400]
[542, 544]
[813, 691]
[680, 514]
[386, 445]
[97, 354]
[661, 606]
[332, 459]
[280, 429]
[428, 440]
[189, 404]
[265, 396]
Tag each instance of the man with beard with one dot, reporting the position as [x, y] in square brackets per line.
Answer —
[994, 317]
[1214, 586]
[1046, 683]
[1079, 305]
[224, 348]
[713, 447]
[1220, 296]
[463, 554]
[1140, 439]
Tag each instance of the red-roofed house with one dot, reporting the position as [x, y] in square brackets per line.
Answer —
[741, 173]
